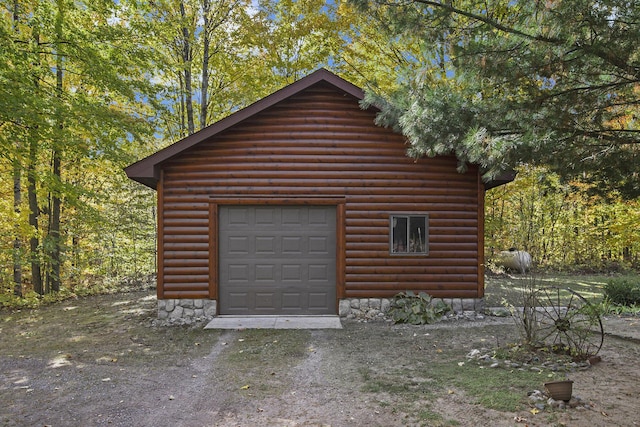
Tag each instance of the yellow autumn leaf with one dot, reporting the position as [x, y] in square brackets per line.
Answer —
[245, 387]
[534, 411]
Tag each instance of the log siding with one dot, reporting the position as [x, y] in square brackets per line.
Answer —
[319, 143]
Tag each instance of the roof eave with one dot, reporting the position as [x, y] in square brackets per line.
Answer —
[502, 179]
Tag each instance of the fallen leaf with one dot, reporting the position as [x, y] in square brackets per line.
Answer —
[245, 387]
[460, 363]
[534, 411]
[241, 340]
[171, 397]
[105, 380]
[604, 413]
[450, 391]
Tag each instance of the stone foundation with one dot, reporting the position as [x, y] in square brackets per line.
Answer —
[376, 308]
[186, 311]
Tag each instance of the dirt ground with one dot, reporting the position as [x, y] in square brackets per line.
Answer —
[100, 361]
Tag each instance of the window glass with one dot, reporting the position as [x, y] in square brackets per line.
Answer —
[408, 234]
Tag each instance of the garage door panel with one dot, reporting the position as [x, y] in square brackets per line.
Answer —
[319, 245]
[317, 300]
[238, 217]
[265, 273]
[238, 245]
[265, 300]
[291, 301]
[238, 273]
[318, 273]
[288, 258]
[291, 272]
[292, 245]
[292, 217]
[266, 245]
[319, 217]
[238, 300]
[266, 217]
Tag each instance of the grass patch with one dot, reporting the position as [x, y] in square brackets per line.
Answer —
[276, 347]
[509, 287]
[100, 330]
[498, 389]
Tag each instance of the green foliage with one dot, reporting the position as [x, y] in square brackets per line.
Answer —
[562, 225]
[416, 309]
[623, 292]
[74, 87]
[521, 82]
[609, 308]
[498, 389]
[90, 285]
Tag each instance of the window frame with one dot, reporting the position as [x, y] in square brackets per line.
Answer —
[407, 237]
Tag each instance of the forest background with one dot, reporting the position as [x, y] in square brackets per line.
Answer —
[88, 87]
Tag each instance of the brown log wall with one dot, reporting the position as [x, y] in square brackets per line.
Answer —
[319, 143]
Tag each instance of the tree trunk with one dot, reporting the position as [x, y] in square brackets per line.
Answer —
[34, 213]
[54, 229]
[187, 58]
[204, 87]
[17, 195]
[183, 125]
[34, 209]
[54, 219]
[17, 243]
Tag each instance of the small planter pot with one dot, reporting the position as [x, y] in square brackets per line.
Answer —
[559, 390]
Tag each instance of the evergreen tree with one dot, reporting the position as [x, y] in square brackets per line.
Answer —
[518, 82]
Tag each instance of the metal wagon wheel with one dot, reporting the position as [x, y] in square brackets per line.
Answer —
[569, 325]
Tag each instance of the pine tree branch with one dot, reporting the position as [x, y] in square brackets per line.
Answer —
[491, 22]
[591, 49]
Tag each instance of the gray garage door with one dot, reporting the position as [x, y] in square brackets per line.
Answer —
[277, 259]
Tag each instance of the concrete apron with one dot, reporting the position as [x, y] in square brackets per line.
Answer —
[274, 322]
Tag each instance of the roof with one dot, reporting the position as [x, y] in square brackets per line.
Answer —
[147, 170]
[504, 178]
